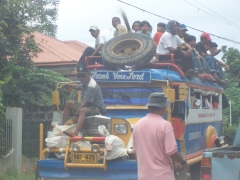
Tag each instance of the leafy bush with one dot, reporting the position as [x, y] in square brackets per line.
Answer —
[229, 132]
[31, 87]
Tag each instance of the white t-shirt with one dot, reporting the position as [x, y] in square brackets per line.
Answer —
[168, 40]
[99, 40]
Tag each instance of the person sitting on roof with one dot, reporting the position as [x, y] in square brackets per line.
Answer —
[89, 51]
[170, 42]
[91, 101]
[161, 27]
[199, 63]
[218, 63]
[144, 28]
[120, 29]
[150, 29]
[202, 47]
[136, 26]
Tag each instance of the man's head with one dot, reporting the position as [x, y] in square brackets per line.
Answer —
[161, 27]
[213, 47]
[94, 30]
[191, 40]
[83, 74]
[136, 26]
[116, 21]
[144, 26]
[182, 29]
[205, 38]
[157, 103]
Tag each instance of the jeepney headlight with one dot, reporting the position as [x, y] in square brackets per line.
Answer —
[120, 129]
[95, 148]
[75, 147]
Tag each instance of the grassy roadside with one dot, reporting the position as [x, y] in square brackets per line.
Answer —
[13, 175]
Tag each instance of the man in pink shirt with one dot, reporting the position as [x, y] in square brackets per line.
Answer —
[154, 142]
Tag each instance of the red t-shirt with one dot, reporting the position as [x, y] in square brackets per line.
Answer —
[157, 37]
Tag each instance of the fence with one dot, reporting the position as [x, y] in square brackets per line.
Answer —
[6, 138]
[30, 136]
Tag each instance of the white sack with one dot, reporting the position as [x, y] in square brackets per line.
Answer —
[56, 142]
[114, 146]
[58, 130]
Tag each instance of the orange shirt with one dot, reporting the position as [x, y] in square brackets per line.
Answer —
[157, 37]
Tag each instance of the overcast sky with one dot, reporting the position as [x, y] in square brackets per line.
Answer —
[76, 16]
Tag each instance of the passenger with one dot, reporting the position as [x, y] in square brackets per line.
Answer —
[91, 101]
[182, 33]
[120, 29]
[154, 142]
[144, 28]
[202, 47]
[219, 63]
[150, 29]
[89, 51]
[161, 27]
[170, 42]
[136, 26]
[199, 63]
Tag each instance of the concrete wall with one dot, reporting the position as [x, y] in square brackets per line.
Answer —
[14, 159]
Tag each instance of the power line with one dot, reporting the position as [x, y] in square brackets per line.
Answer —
[211, 14]
[236, 42]
[218, 14]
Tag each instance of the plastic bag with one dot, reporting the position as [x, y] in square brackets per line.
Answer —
[56, 142]
[103, 131]
[58, 130]
[114, 146]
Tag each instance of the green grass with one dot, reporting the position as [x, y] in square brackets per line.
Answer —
[13, 175]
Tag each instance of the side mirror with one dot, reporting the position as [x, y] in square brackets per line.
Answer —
[170, 93]
[182, 92]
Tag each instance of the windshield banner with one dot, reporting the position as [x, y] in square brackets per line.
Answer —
[122, 76]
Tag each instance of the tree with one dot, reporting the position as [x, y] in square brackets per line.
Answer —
[232, 58]
[18, 19]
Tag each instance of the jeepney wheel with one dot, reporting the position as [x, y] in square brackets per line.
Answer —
[130, 49]
[68, 122]
[211, 137]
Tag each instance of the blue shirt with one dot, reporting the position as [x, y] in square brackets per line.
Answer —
[148, 33]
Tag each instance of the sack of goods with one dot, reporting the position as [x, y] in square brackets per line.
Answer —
[114, 146]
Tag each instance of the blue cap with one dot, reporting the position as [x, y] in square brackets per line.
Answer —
[182, 27]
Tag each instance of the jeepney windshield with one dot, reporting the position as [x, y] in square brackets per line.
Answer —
[128, 96]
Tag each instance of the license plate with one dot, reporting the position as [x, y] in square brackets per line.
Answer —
[85, 158]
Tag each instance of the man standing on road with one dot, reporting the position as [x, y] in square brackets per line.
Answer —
[91, 101]
[154, 142]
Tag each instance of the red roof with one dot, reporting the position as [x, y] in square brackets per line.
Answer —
[56, 52]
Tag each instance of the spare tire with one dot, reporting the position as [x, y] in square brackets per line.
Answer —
[128, 49]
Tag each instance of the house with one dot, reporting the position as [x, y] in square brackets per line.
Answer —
[56, 55]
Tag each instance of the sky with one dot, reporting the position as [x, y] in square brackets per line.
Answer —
[221, 18]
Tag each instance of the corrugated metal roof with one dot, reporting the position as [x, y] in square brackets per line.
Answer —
[56, 52]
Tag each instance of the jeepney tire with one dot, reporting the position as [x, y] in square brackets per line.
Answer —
[130, 49]
[68, 121]
[195, 171]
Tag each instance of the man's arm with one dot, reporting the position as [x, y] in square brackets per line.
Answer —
[178, 158]
[223, 64]
[98, 49]
[83, 104]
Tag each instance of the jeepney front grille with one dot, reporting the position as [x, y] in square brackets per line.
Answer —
[92, 123]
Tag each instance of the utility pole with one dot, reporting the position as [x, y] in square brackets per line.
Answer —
[230, 104]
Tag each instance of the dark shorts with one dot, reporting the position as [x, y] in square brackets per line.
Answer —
[91, 110]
